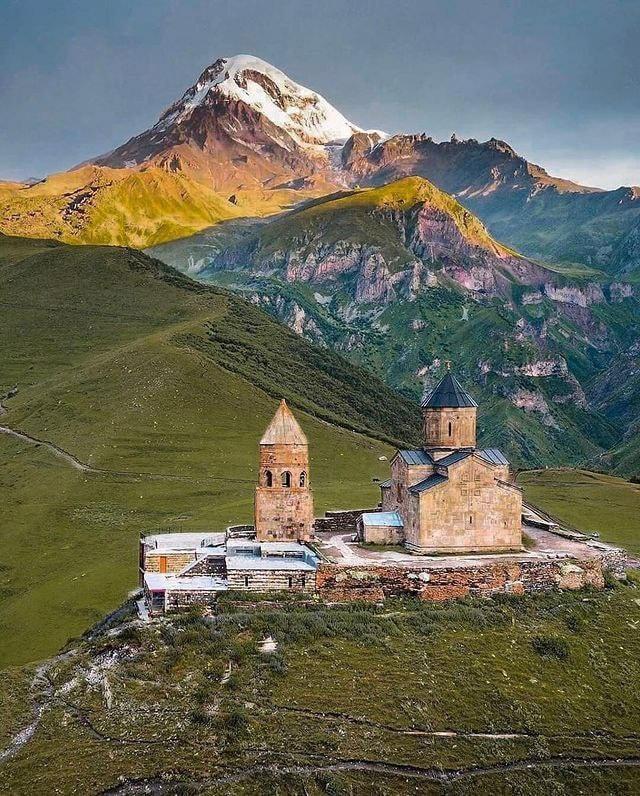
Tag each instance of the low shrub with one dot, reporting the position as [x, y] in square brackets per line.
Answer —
[551, 647]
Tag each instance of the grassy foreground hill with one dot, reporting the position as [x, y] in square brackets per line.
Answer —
[524, 696]
[158, 389]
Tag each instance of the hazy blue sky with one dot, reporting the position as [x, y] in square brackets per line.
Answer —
[558, 80]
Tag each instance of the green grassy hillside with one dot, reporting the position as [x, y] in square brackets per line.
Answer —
[590, 501]
[164, 387]
[401, 277]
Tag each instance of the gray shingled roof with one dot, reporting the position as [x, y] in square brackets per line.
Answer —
[448, 393]
[454, 458]
[385, 484]
[493, 456]
[416, 457]
[433, 480]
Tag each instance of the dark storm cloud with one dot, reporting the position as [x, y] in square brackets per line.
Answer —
[557, 80]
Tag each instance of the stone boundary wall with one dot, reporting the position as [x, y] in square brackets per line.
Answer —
[175, 600]
[340, 521]
[338, 583]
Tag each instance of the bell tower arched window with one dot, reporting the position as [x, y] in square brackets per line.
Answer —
[303, 478]
[450, 428]
[268, 478]
[286, 478]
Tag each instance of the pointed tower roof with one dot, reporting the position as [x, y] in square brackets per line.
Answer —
[283, 429]
[448, 393]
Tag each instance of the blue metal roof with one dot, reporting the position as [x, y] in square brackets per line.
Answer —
[433, 480]
[386, 518]
[454, 458]
[416, 457]
[493, 456]
[448, 393]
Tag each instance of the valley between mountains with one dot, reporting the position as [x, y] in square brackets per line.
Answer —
[395, 250]
[402, 278]
[157, 301]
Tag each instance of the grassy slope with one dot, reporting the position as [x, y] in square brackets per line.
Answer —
[590, 501]
[125, 208]
[347, 217]
[135, 369]
[398, 673]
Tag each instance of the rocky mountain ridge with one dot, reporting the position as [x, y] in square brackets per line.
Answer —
[256, 139]
[402, 276]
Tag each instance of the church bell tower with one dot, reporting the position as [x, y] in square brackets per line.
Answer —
[283, 498]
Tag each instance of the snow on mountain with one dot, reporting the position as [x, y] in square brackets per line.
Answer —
[305, 115]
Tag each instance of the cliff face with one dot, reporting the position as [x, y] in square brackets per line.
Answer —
[402, 277]
[542, 216]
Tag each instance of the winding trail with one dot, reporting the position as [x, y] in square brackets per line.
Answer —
[78, 464]
[162, 785]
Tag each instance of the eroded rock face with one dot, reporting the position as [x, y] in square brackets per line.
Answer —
[532, 401]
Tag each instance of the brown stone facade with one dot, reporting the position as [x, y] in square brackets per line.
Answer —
[474, 510]
[449, 428]
[340, 521]
[281, 511]
[167, 561]
[337, 583]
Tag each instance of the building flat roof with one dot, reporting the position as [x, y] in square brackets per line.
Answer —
[157, 581]
[185, 541]
[383, 518]
[275, 563]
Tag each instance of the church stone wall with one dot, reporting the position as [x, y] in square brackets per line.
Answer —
[449, 428]
[470, 512]
[283, 513]
[337, 583]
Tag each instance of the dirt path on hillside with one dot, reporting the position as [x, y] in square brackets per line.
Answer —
[78, 464]
[161, 784]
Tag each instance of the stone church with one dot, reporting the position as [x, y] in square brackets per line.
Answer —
[448, 496]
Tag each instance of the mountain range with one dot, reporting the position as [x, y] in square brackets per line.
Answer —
[397, 251]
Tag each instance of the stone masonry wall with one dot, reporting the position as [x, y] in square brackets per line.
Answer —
[185, 599]
[340, 521]
[269, 580]
[337, 583]
[449, 428]
[175, 562]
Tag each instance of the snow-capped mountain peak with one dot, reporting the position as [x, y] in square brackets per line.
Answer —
[305, 115]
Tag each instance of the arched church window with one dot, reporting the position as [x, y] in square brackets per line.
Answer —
[268, 478]
[286, 478]
[450, 428]
[399, 493]
[303, 478]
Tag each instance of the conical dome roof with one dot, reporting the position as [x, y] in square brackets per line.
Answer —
[283, 429]
[448, 393]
